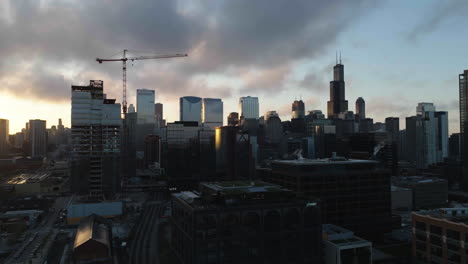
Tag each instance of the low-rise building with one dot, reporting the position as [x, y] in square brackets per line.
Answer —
[342, 246]
[245, 222]
[440, 235]
[428, 192]
[93, 241]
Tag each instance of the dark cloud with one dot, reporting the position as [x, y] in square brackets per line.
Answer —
[442, 11]
[263, 37]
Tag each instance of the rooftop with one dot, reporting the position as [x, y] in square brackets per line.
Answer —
[342, 237]
[458, 213]
[233, 187]
[415, 180]
[327, 161]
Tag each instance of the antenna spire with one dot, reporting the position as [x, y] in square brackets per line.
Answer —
[336, 57]
[340, 57]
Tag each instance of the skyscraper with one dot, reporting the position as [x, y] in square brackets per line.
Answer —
[337, 103]
[4, 132]
[190, 109]
[248, 107]
[463, 93]
[360, 108]
[158, 113]
[298, 109]
[427, 136]
[212, 112]
[145, 106]
[233, 119]
[38, 138]
[392, 126]
[96, 129]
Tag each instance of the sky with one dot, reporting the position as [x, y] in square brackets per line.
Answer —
[395, 53]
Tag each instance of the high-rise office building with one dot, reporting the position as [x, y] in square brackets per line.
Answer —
[212, 112]
[96, 128]
[463, 98]
[337, 103]
[4, 132]
[360, 108]
[190, 108]
[454, 146]
[298, 109]
[131, 109]
[159, 115]
[145, 106]
[427, 136]
[38, 138]
[248, 107]
[392, 126]
[245, 222]
[233, 119]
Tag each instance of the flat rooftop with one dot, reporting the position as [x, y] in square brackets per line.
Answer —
[415, 180]
[28, 178]
[457, 214]
[327, 161]
[230, 187]
[342, 237]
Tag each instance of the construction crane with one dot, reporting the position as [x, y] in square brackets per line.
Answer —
[124, 60]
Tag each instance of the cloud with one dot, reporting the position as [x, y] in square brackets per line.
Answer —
[442, 11]
[262, 41]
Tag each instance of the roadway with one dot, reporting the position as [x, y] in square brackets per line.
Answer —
[144, 247]
[35, 237]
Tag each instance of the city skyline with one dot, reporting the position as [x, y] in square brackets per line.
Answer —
[391, 82]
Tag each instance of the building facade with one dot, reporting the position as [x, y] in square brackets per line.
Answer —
[190, 108]
[463, 100]
[212, 112]
[338, 102]
[95, 132]
[360, 108]
[298, 109]
[38, 138]
[4, 132]
[249, 107]
[354, 194]
[245, 222]
[145, 106]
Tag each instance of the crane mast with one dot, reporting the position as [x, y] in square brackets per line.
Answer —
[124, 60]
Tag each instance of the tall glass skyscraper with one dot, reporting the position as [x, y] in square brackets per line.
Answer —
[337, 103]
[212, 112]
[38, 138]
[190, 109]
[145, 106]
[248, 107]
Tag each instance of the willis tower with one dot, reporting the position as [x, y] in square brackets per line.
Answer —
[337, 103]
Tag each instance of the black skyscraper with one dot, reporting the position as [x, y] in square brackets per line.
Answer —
[337, 103]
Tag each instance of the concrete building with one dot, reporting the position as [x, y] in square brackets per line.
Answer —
[338, 102]
[402, 199]
[248, 108]
[4, 132]
[145, 106]
[298, 109]
[455, 146]
[273, 129]
[392, 126]
[96, 127]
[190, 108]
[354, 194]
[78, 212]
[440, 235]
[159, 115]
[360, 108]
[212, 112]
[428, 192]
[38, 138]
[342, 246]
[245, 222]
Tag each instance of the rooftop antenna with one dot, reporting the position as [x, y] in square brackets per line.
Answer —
[340, 57]
[336, 57]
